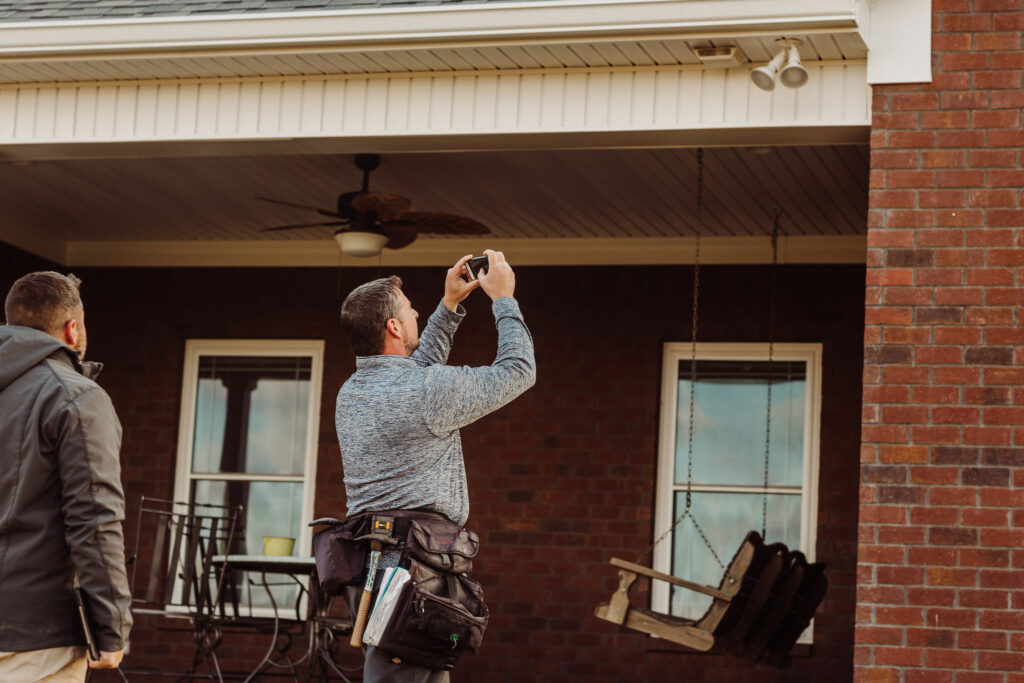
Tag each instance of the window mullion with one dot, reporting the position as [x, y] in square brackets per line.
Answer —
[244, 476]
[716, 488]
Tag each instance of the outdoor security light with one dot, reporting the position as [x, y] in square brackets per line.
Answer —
[793, 75]
[764, 76]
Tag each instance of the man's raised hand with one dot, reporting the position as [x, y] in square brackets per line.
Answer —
[499, 280]
[456, 288]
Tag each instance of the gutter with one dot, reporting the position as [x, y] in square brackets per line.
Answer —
[562, 20]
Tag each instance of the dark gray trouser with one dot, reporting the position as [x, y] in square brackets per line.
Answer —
[378, 667]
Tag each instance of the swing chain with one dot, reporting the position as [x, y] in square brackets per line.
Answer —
[693, 364]
[693, 328]
[693, 381]
[771, 357]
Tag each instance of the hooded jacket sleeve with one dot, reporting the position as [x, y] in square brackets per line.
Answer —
[88, 435]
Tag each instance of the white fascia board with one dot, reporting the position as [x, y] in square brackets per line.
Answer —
[623, 251]
[418, 26]
[898, 34]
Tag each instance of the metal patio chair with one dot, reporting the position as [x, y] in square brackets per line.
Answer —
[174, 575]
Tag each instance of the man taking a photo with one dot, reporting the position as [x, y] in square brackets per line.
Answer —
[398, 416]
[60, 483]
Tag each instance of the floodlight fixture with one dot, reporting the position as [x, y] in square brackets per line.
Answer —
[792, 75]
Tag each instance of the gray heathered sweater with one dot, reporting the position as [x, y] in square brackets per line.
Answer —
[398, 417]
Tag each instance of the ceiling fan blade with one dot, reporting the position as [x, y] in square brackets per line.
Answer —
[388, 207]
[444, 223]
[322, 212]
[399, 234]
[302, 225]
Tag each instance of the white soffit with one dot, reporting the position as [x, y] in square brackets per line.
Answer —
[414, 39]
[658, 51]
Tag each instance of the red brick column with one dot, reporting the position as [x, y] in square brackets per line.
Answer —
[941, 558]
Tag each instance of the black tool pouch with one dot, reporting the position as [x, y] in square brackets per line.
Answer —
[438, 617]
[440, 545]
[340, 554]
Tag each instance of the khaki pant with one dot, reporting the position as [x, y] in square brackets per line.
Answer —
[55, 665]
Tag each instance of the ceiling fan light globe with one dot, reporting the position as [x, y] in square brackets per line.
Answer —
[362, 244]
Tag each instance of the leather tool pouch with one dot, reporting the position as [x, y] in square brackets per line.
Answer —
[438, 617]
[340, 553]
[440, 545]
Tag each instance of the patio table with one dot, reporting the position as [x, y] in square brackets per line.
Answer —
[295, 568]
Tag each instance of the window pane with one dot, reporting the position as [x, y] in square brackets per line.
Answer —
[725, 518]
[730, 415]
[269, 508]
[251, 414]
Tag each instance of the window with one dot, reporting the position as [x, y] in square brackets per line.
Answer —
[730, 419]
[248, 436]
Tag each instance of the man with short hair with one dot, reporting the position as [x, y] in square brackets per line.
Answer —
[60, 484]
[398, 416]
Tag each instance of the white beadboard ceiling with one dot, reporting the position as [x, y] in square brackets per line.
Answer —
[669, 52]
[535, 194]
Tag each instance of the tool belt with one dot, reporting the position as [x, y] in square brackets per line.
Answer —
[441, 612]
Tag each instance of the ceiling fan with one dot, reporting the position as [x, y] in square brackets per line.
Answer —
[370, 221]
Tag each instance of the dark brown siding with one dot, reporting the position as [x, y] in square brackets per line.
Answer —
[561, 480]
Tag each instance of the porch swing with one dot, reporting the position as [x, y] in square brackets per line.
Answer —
[768, 594]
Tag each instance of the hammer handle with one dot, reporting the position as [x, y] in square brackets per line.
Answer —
[364, 601]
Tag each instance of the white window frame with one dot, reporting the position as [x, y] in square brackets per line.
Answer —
[666, 488]
[194, 349]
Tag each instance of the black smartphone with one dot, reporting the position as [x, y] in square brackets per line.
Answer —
[476, 265]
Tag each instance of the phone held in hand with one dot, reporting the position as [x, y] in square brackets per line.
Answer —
[477, 265]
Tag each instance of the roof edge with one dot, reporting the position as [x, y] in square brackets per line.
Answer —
[492, 23]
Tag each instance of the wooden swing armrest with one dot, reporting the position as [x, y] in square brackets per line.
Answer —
[674, 580]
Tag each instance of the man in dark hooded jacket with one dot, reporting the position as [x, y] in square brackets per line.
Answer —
[61, 501]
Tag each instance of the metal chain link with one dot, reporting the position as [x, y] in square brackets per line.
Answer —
[693, 326]
[693, 379]
[771, 357]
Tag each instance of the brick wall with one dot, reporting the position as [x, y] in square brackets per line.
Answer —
[941, 563]
[560, 481]
[13, 264]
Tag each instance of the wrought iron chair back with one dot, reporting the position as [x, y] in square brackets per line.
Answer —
[174, 573]
[175, 543]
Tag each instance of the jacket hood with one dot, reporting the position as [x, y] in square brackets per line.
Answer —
[22, 348]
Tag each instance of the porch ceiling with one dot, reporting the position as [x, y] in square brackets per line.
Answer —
[533, 195]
